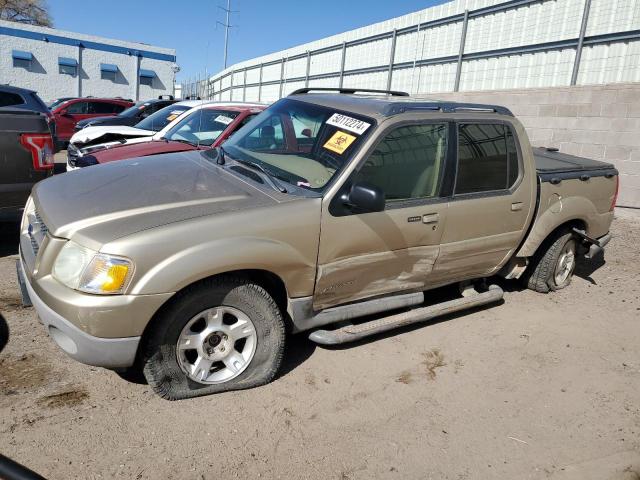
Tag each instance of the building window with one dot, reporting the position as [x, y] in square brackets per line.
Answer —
[67, 66]
[108, 71]
[146, 77]
[22, 59]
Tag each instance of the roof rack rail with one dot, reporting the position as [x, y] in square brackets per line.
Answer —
[393, 93]
[445, 107]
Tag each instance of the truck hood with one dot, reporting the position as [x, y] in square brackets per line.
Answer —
[99, 204]
[110, 132]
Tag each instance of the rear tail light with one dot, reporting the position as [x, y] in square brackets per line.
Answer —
[615, 195]
[41, 147]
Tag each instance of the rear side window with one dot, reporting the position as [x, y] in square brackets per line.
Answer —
[8, 99]
[487, 158]
[103, 107]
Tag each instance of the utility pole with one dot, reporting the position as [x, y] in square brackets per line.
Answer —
[226, 26]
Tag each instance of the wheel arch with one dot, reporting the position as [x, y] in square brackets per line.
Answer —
[568, 225]
[271, 282]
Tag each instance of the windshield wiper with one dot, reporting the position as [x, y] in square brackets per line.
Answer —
[267, 174]
[180, 141]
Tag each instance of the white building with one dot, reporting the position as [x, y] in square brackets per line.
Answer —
[57, 63]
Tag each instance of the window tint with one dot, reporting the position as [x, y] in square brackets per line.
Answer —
[105, 75]
[78, 108]
[485, 162]
[8, 99]
[408, 161]
[101, 107]
[148, 81]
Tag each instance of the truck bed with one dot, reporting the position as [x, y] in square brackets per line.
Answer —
[553, 165]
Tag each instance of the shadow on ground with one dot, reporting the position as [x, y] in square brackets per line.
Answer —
[9, 239]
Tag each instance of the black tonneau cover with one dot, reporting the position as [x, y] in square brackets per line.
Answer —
[553, 165]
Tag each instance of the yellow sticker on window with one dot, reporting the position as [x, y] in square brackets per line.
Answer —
[339, 142]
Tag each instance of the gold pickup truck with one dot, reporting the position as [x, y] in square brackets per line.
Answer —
[328, 207]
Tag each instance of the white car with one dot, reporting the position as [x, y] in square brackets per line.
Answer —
[91, 139]
[100, 138]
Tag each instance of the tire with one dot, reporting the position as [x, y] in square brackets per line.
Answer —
[177, 372]
[547, 271]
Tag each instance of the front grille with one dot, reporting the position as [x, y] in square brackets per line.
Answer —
[37, 231]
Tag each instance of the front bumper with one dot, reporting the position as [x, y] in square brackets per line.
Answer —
[102, 352]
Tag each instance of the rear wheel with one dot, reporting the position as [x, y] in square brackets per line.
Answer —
[553, 268]
[223, 334]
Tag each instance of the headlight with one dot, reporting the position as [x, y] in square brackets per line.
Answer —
[84, 269]
[28, 208]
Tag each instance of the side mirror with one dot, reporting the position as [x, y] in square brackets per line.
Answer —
[306, 133]
[365, 198]
[64, 113]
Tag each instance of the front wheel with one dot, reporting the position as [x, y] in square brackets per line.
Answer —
[223, 334]
[553, 268]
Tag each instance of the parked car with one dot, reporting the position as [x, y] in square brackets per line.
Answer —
[70, 112]
[26, 150]
[58, 101]
[200, 118]
[129, 117]
[325, 208]
[25, 99]
[95, 138]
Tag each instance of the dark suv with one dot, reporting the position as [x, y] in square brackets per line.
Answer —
[25, 99]
[131, 115]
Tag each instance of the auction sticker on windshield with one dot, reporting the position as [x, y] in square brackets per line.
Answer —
[348, 123]
[173, 115]
[339, 142]
[223, 119]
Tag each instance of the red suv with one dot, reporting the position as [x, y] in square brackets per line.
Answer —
[70, 112]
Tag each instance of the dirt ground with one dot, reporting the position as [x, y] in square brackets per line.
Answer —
[542, 386]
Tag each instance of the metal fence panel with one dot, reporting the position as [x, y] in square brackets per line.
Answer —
[463, 44]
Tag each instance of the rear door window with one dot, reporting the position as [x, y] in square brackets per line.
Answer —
[487, 158]
[103, 108]
[8, 99]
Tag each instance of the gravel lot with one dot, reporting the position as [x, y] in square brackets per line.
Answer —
[542, 386]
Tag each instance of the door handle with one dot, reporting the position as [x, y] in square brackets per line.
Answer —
[517, 206]
[430, 218]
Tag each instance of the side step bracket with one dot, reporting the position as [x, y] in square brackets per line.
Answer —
[353, 333]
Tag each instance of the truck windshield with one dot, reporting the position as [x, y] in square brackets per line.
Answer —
[300, 143]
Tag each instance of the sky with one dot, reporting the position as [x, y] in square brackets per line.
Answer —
[190, 26]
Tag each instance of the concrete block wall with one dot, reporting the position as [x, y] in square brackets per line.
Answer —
[599, 121]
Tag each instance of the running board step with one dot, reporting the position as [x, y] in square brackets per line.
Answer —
[352, 333]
